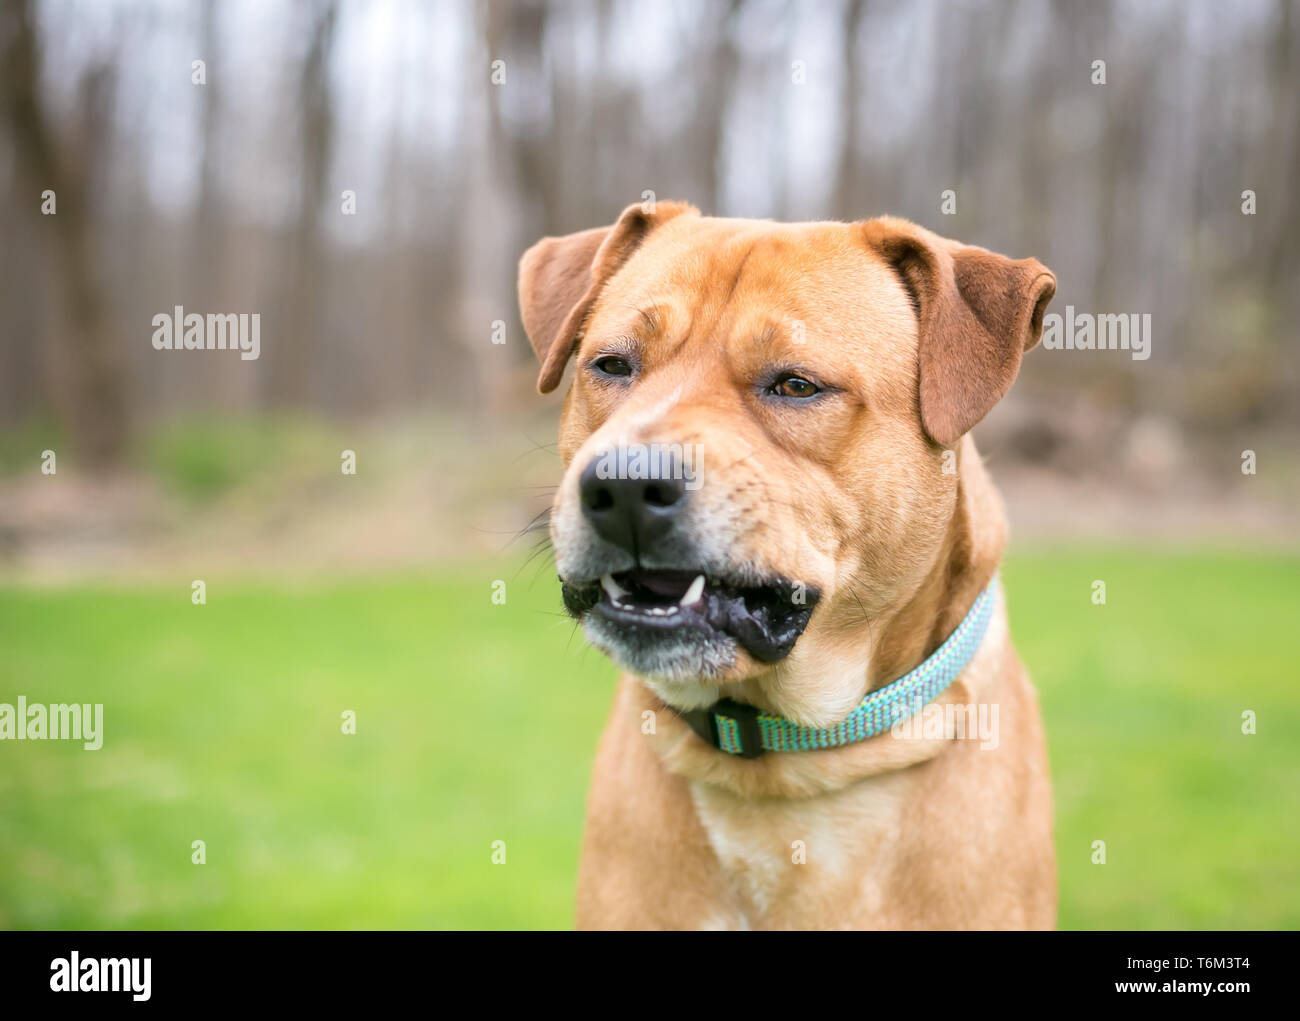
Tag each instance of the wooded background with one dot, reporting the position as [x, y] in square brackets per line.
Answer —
[227, 196]
[377, 592]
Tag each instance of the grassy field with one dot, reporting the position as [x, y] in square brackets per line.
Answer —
[476, 723]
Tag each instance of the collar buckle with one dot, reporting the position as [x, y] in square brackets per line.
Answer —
[740, 733]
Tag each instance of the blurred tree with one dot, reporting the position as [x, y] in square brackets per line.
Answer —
[297, 335]
[225, 198]
[850, 190]
[209, 224]
[84, 365]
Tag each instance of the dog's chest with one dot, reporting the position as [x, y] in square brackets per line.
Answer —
[802, 863]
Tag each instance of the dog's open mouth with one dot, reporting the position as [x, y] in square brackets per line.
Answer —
[766, 619]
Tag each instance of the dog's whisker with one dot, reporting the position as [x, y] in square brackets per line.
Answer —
[534, 447]
[540, 523]
[542, 548]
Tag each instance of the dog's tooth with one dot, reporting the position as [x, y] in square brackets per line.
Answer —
[693, 593]
[612, 588]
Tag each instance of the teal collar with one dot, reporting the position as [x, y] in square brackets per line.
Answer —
[746, 731]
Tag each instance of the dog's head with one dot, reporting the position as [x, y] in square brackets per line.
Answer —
[759, 442]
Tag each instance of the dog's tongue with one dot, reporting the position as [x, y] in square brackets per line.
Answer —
[668, 584]
[766, 629]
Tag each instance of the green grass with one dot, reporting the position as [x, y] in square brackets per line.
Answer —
[21, 446]
[1143, 699]
[477, 722]
[202, 458]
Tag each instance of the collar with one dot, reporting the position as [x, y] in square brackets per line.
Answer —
[747, 731]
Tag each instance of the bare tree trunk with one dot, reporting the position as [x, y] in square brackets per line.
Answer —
[87, 377]
[516, 176]
[297, 335]
[849, 202]
[209, 263]
[717, 65]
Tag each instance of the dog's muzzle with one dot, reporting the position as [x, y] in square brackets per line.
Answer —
[766, 619]
[652, 591]
[661, 588]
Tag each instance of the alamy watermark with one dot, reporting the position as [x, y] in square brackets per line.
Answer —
[1103, 332]
[949, 722]
[75, 974]
[179, 330]
[55, 722]
[649, 461]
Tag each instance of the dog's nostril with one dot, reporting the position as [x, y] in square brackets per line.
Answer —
[597, 498]
[631, 513]
[661, 496]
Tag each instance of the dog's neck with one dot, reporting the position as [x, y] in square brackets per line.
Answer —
[967, 560]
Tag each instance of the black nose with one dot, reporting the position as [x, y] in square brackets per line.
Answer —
[630, 513]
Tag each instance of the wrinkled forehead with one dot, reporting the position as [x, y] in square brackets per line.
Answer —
[735, 282]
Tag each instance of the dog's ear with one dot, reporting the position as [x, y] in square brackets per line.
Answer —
[978, 313]
[560, 279]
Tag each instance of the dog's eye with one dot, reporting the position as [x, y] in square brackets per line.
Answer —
[794, 386]
[613, 366]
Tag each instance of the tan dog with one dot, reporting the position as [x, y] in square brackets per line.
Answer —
[809, 388]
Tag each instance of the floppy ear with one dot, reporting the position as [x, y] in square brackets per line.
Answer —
[561, 278]
[978, 312]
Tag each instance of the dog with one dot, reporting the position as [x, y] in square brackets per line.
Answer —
[773, 518]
